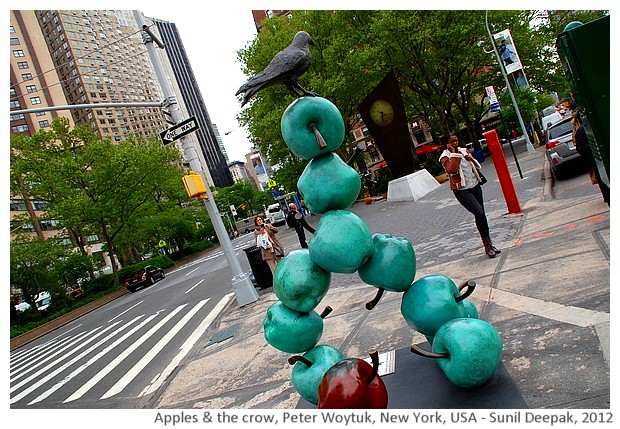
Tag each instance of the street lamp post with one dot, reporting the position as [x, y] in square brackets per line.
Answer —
[245, 292]
[528, 144]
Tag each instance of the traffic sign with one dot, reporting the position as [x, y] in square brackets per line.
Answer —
[271, 183]
[179, 130]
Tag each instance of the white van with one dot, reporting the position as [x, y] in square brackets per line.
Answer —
[276, 215]
[42, 302]
[549, 120]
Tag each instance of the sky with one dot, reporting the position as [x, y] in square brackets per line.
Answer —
[211, 41]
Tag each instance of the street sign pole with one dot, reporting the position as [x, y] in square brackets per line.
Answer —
[245, 292]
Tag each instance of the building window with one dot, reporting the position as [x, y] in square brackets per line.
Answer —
[18, 205]
[31, 88]
[39, 204]
[26, 76]
[17, 53]
[44, 124]
[17, 117]
[14, 41]
[22, 65]
[15, 104]
[35, 100]
[12, 29]
[20, 128]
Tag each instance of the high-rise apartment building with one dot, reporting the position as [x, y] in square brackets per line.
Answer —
[100, 58]
[190, 93]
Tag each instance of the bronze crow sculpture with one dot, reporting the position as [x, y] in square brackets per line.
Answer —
[285, 68]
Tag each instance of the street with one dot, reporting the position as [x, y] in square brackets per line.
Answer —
[120, 354]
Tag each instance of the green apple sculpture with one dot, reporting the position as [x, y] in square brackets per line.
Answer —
[300, 283]
[312, 126]
[310, 368]
[353, 384]
[342, 242]
[433, 300]
[392, 265]
[322, 171]
[291, 331]
[467, 350]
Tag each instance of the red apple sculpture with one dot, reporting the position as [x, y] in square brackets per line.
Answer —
[353, 384]
[467, 350]
[310, 368]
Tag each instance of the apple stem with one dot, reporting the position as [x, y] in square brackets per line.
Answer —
[371, 304]
[421, 352]
[470, 285]
[326, 311]
[320, 141]
[297, 358]
[374, 357]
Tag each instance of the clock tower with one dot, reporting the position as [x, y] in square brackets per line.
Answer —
[383, 113]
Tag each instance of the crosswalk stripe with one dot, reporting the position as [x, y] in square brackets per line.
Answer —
[108, 368]
[76, 339]
[187, 345]
[49, 376]
[135, 369]
[96, 357]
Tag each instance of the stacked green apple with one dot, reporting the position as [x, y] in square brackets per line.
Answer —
[313, 129]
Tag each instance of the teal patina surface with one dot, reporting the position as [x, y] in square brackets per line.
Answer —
[392, 265]
[328, 183]
[305, 115]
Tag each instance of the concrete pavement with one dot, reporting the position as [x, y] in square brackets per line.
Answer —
[547, 294]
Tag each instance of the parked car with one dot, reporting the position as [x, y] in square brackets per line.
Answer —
[561, 151]
[145, 277]
[41, 301]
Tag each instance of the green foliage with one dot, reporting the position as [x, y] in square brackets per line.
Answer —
[383, 179]
[433, 165]
[441, 71]
[191, 249]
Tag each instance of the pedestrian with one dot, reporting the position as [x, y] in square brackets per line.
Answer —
[295, 219]
[465, 181]
[270, 247]
[580, 140]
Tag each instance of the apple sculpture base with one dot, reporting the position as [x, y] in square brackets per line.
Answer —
[419, 383]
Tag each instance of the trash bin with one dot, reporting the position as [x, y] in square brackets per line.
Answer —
[479, 155]
[260, 269]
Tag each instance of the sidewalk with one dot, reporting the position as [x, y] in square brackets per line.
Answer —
[547, 294]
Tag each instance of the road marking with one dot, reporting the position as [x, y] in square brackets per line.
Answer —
[189, 344]
[130, 308]
[38, 352]
[52, 374]
[110, 366]
[76, 340]
[191, 288]
[147, 358]
[94, 358]
[195, 269]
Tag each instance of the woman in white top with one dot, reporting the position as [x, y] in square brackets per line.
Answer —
[462, 169]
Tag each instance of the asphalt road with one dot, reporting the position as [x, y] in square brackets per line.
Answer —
[120, 354]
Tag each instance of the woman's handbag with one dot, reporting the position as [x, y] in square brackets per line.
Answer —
[279, 251]
[483, 179]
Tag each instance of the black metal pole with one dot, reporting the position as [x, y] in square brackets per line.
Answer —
[511, 147]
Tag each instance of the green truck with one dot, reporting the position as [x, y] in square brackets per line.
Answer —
[585, 53]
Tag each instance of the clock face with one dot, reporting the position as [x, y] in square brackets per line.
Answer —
[381, 112]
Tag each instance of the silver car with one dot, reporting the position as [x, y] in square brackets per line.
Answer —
[561, 150]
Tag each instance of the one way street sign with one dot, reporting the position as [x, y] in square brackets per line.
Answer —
[179, 130]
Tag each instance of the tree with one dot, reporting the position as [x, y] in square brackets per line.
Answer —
[441, 71]
[33, 268]
[91, 182]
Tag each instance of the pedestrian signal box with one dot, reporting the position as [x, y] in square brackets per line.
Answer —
[194, 185]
